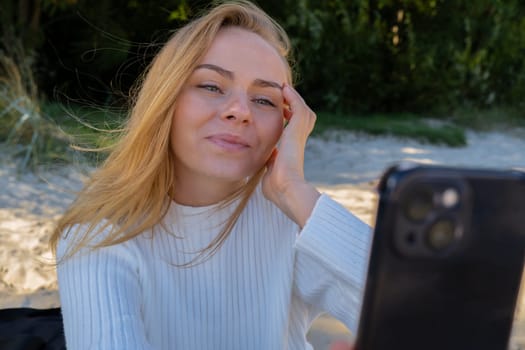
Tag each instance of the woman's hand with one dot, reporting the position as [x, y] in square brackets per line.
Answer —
[284, 182]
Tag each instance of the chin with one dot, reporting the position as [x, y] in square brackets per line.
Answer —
[235, 175]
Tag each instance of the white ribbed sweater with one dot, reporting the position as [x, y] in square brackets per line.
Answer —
[261, 290]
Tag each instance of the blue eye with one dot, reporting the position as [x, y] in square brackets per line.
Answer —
[264, 102]
[210, 87]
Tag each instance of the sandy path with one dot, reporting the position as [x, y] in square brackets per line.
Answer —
[344, 165]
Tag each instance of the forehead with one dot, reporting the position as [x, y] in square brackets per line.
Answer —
[247, 54]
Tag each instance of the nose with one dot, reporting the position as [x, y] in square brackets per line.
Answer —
[237, 108]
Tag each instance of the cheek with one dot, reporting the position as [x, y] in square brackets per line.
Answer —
[272, 133]
[175, 128]
[181, 128]
[188, 116]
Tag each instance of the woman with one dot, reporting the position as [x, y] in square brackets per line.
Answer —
[200, 231]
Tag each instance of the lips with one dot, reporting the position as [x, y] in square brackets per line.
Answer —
[228, 142]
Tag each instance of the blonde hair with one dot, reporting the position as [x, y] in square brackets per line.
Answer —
[130, 193]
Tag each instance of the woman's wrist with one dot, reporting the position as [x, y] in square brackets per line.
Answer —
[298, 201]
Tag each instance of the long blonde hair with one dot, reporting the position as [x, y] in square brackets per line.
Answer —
[129, 193]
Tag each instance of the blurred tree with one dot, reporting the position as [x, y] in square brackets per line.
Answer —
[351, 55]
[95, 51]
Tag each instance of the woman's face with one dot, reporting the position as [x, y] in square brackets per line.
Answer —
[229, 115]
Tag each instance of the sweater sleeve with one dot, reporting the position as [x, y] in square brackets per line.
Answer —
[100, 297]
[332, 253]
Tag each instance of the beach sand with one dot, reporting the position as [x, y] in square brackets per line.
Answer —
[344, 165]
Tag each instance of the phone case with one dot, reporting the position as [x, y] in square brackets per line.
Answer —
[446, 260]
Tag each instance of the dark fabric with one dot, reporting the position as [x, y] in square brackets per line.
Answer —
[31, 329]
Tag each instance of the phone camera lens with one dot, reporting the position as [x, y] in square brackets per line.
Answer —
[419, 204]
[441, 234]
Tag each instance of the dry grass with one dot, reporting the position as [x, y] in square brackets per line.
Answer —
[26, 133]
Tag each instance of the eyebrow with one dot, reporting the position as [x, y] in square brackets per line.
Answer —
[224, 72]
[230, 75]
[267, 83]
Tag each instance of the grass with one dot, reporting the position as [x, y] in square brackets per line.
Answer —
[30, 136]
[402, 125]
[34, 132]
[90, 127]
[495, 118]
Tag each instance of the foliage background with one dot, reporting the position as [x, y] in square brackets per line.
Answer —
[352, 56]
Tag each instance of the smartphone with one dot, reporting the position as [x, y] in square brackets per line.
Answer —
[446, 260]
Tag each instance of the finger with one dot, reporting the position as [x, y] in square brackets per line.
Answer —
[287, 112]
[298, 107]
[293, 98]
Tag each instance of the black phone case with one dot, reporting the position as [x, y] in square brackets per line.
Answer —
[460, 291]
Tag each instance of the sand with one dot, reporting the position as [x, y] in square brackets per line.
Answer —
[343, 164]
